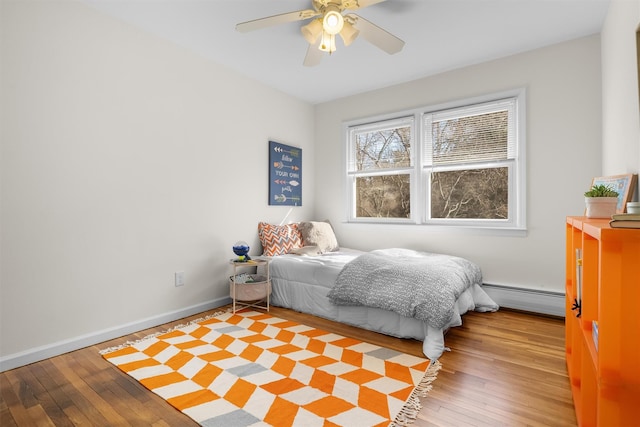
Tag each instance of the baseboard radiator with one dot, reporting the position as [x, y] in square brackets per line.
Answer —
[531, 300]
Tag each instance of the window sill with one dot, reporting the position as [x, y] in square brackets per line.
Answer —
[441, 228]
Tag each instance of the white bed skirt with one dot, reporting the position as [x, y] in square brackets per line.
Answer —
[301, 283]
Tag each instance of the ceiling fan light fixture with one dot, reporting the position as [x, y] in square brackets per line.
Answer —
[312, 31]
[324, 22]
[332, 22]
[349, 33]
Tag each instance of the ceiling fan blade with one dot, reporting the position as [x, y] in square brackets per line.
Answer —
[269, 21]
[359, 4]
[376, 35]
[313, 56]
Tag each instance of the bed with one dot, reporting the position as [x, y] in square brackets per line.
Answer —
[385, 290]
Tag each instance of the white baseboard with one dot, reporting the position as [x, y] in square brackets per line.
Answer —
[533, 300]
[44, 352]
[536, 301]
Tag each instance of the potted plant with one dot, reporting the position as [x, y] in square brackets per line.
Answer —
[601, 201]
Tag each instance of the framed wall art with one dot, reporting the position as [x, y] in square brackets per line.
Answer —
[625, 185]
[285, 175]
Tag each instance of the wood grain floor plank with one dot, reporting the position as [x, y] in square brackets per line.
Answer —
[504, 369]
[34, 391]
[40, 417]
[15, 411]
[71, 391]
[503, 407]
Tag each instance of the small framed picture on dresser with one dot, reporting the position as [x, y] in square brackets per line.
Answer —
[624, 184]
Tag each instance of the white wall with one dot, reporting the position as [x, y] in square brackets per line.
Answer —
[124, 159]
[620, 109]
[563, 148]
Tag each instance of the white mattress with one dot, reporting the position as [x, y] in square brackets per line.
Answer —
[301, 283]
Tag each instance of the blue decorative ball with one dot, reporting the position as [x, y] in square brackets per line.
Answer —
[241, 248]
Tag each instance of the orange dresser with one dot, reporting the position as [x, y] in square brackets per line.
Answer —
[603, 335]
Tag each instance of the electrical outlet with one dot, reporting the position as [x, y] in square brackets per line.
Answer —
[179, 278]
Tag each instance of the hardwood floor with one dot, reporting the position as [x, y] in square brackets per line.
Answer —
[504, 369]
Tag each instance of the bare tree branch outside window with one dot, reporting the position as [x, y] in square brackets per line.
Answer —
[475, 193]
[386, 196]
[470, 193]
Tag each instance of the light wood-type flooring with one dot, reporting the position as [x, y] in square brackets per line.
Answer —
[504, 369]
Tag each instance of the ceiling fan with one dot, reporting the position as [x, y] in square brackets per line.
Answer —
[329, 21]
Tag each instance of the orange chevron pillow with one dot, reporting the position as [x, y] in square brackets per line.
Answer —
[279, 239]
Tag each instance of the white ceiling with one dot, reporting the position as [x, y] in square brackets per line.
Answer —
[440, 35]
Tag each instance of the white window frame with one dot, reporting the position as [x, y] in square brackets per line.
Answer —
[352, 174]
[420, 170]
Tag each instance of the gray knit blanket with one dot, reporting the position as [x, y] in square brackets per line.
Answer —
[413, 284]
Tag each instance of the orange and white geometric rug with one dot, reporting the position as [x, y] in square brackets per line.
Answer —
[254, 369]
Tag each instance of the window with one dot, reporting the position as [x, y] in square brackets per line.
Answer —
[462, 165]
[382, 162]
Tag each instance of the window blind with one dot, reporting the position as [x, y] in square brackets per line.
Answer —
[479, 133]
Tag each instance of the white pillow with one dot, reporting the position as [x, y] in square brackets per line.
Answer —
[320, 234]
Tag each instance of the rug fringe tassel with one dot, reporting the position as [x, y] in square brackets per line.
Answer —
[130, 343]
[409, 413]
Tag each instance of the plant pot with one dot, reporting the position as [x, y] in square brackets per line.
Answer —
[633, 207]
[601, 207]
